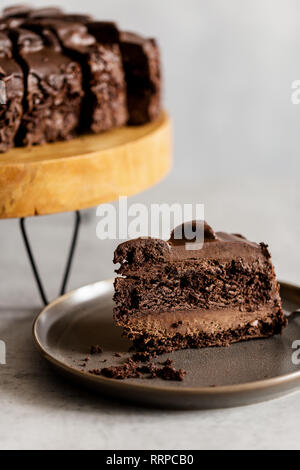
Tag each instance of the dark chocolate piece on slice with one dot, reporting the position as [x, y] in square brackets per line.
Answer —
[141, 60]
[12, 90]
[169, 297]
[53, 88]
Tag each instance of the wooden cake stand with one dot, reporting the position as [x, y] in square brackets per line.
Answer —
[82, 173]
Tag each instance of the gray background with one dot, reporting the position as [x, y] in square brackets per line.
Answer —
[228, 68]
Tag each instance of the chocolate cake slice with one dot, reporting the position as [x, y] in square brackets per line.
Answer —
[141, 61]
[53, 88]
[11, 94]
[169, 297]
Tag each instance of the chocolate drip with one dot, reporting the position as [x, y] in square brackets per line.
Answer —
[52, 87]
[141, 61]
[104, 31]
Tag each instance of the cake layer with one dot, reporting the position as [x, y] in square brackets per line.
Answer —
[197, 328]
[205, 284]
[12, 90]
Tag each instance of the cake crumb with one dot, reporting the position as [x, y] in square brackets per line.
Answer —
[143, 356]
[170, 373]
[133, 369]
[96, 349]
[167, 362]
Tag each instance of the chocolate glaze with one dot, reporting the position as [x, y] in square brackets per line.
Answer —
[53, 88]
[104, 104]
[17, 11]
[104, 31]
[12, 82]
[47, 12]
[73, 37]
[219, 245]
[26, 11]
[77, 18]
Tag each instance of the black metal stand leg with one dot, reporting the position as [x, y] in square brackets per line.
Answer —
[69, 260]
[32, 262]
[71, 253]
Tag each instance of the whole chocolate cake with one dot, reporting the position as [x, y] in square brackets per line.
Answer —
[79, 75]
[169, 297]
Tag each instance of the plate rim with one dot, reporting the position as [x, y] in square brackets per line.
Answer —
[230, 389]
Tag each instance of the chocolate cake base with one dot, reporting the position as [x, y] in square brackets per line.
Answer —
[170, 331]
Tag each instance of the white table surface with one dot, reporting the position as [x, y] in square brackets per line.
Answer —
[40, 410]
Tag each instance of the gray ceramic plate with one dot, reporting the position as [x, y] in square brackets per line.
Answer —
[241, 374]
